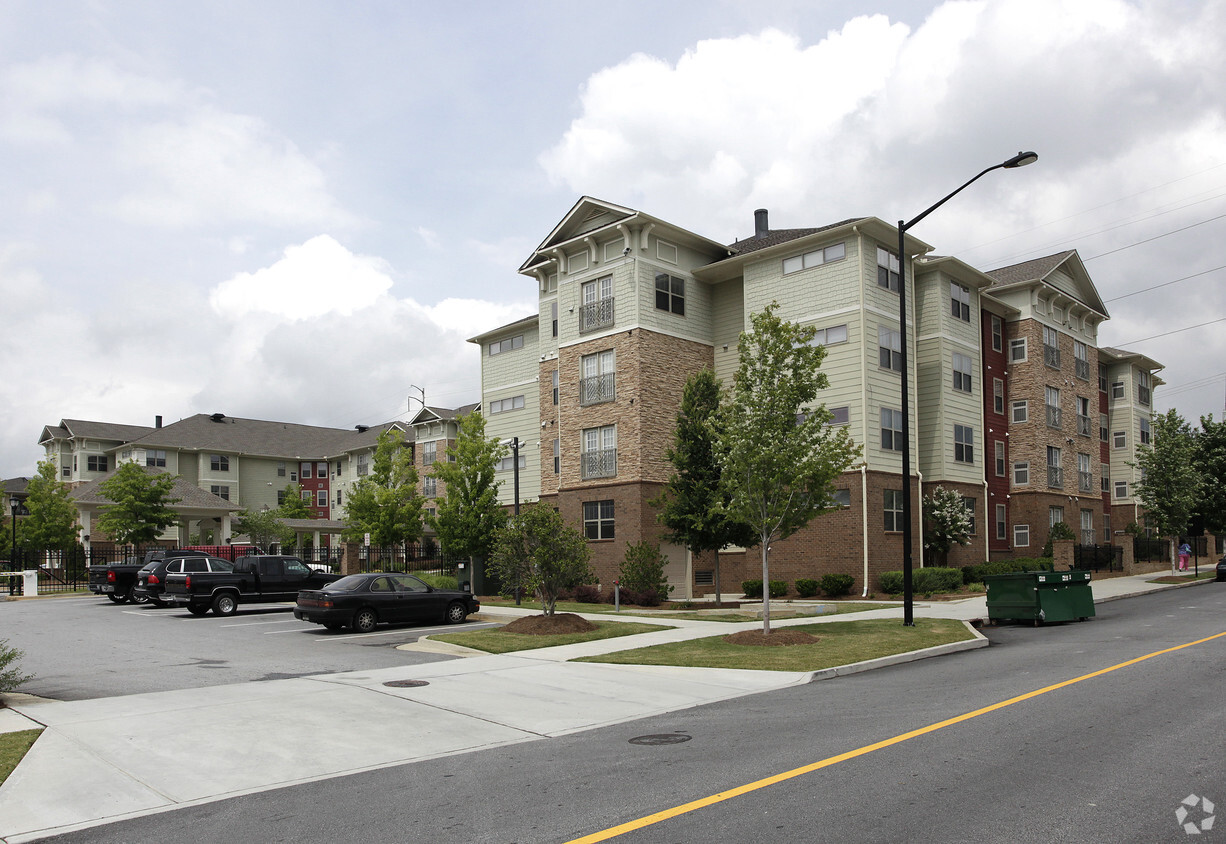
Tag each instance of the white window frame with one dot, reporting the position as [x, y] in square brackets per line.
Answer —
[960, 301]
[963, 369]
[815, 258]
[1017, 350]
[1021, 536]
[1022, 405]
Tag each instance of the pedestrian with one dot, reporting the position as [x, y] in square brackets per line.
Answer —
[1185, 551]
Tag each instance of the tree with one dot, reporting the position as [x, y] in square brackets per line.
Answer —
[141, 507]
[264, 527]
[538, 550]
[692, 500]
[1211, 458]
[52, 523]
[947, 521]
[386, 503]
[1171, 482]
[293, 505]
[469, 515]
[778, 456]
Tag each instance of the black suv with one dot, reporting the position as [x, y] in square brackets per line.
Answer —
[151, 580]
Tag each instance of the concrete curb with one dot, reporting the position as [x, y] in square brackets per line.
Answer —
[979, 641]
[1156, 587]
[427, 645]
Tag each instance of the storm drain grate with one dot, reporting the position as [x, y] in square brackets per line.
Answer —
[661, 738]
[406, 684]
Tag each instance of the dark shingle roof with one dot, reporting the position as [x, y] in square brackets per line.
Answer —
[189, 495]
[774, 237]
[258, 437]
[97, 430]
[1029, 270]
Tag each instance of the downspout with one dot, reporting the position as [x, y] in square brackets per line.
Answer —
[864, 523]
[919, 481]
[989, 528]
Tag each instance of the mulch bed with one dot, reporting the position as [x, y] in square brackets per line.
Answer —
[775, 637]
[548, 625]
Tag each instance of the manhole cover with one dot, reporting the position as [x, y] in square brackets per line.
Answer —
[661, 738]
[406, 684]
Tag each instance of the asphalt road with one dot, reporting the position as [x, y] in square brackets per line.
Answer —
[88, 647]
[1104, 757]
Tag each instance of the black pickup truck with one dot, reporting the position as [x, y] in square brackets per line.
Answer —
[117, 580]
[258, 578]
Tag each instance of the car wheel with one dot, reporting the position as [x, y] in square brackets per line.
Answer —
[119, 599]
[136, 599]
[456, 613]
[198, 609]
[225, 604]
[364, 620]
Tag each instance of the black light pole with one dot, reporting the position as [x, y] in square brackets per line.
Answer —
[13, 505]
[908, 618]
[515, 463]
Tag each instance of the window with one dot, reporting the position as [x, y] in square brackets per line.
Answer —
[305, 469]
[1051, 347]
[280, 497]
[891, 429]
[1002, 528]
[841, 498]
[998, 338]
[1052, 395]
[1021, 473]
[338, 468]
[889, 348]
[1102, 377]
[831, 336]
[65, 472]
[219, 463]
[1087, 527]
[998, 396]
[817, 257]
[321, 498]
[1121, 489]
[220, 491]
[969, 504]
[1119, 439]
[156, 457]
[1021, 536]
[598, 519]
[429, 486]
[557, 456]
[507, 463]
[306, 496]
[1143, 383]
[704, 577]
[960, 301]
[429, 452]
[839, 415]
[1054, 515]
[321, 470]
[1000, 459]
[1144, 438]
[597, 382]
[505, 405]
[887, 270]
[1117, 390]
[363, 465]
[1105, 477]
[599, 453]
[1083, 416]
[1021, 411]
[507, 345]
[670, 294]
[338, 498]
[962, 372]
[1106, 528]
[553, 315]
[1055, 471]
[1017, 350]
[281, 470]
[1102, 427]
[893, 510]
[1081, 360]
[556, 382]
[95, 463]
[964, 444]
[1085, 477]
[597, 308]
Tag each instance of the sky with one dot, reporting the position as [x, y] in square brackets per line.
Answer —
[301, 211]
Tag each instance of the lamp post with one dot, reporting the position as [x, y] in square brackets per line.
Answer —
[514, 444]
[1019, 160]
[13, 505]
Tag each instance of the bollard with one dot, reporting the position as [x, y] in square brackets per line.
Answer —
[617, 597]
[30, 582]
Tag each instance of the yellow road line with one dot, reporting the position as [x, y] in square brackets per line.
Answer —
[685, 808]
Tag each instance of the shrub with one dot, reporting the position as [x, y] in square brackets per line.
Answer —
[587, 594]
[890, 582]
[975, 574]
[1060, 530]
[751, 588]
[10, 677]
[438, 581]
[643, 570]
[638, 597]
[779, 588]
[805, 587]
[835, 585]
[923, 580]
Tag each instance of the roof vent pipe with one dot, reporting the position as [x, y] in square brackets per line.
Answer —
[760, 227]
[157, 421]
[218, 417]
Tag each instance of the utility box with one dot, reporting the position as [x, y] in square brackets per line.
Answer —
[1040, 596]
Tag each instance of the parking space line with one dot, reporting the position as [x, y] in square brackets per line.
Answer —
[258, 623]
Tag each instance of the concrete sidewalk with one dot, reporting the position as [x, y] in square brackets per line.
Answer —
[283, 732]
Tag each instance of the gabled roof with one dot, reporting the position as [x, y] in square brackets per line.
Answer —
[774, 237]
[530, 321]
[1040, 270]
[85, 429]
[236, 435]
[191, 497]
[1141, 361]
[443, 414]
[15, 486]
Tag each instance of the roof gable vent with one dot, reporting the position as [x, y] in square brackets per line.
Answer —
[218, 417]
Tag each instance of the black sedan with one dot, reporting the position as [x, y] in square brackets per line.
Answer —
[364, 600]
[1221, 569]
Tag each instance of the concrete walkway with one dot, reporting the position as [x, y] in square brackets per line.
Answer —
[463, 705]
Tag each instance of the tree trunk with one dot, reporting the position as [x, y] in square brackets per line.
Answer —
[766, 590]
[717, 600]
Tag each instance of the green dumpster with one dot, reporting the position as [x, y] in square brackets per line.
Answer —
[1040, 596]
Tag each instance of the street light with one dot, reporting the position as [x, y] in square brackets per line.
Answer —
[1019, 160]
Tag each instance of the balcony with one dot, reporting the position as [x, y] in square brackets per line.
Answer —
[1083, 369]
[1085, 482]
[595, 315]
[1051, 356]
[601, 463]
[596, 389]
[1083, 425]
[1053, 417]
[1055, 477]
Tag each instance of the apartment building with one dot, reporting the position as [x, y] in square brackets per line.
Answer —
[1000, 385]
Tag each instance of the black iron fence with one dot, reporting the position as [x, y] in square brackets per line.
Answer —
[1098, 557]
[1146, 550]
[58, 572]
[412, 557]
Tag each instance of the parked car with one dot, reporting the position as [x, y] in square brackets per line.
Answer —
[118, 580]
[365, 600]
[1221, 569]
[151, 580]
[254, 579]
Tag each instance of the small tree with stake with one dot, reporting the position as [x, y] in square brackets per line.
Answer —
[540, 551]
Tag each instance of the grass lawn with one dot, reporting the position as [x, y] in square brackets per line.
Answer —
[778, 610]
[13, 746]
[842, 643]
[500, 642]
[1207, 573]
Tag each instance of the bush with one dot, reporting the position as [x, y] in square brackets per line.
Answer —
[923, 580]
[10, 677]
[779, 588]
[836, 585]
[643, 570]
[890, 582]
[587, 594]
[805, 587]
[438, 581]
[751, 588]
[638, 597]
[975, 574]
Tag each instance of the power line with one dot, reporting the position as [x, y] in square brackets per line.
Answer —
[1164, 284]
[1173, 331]
[1155, 237]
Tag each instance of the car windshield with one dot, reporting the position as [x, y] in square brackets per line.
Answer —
[150, 566]
[347, 584]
